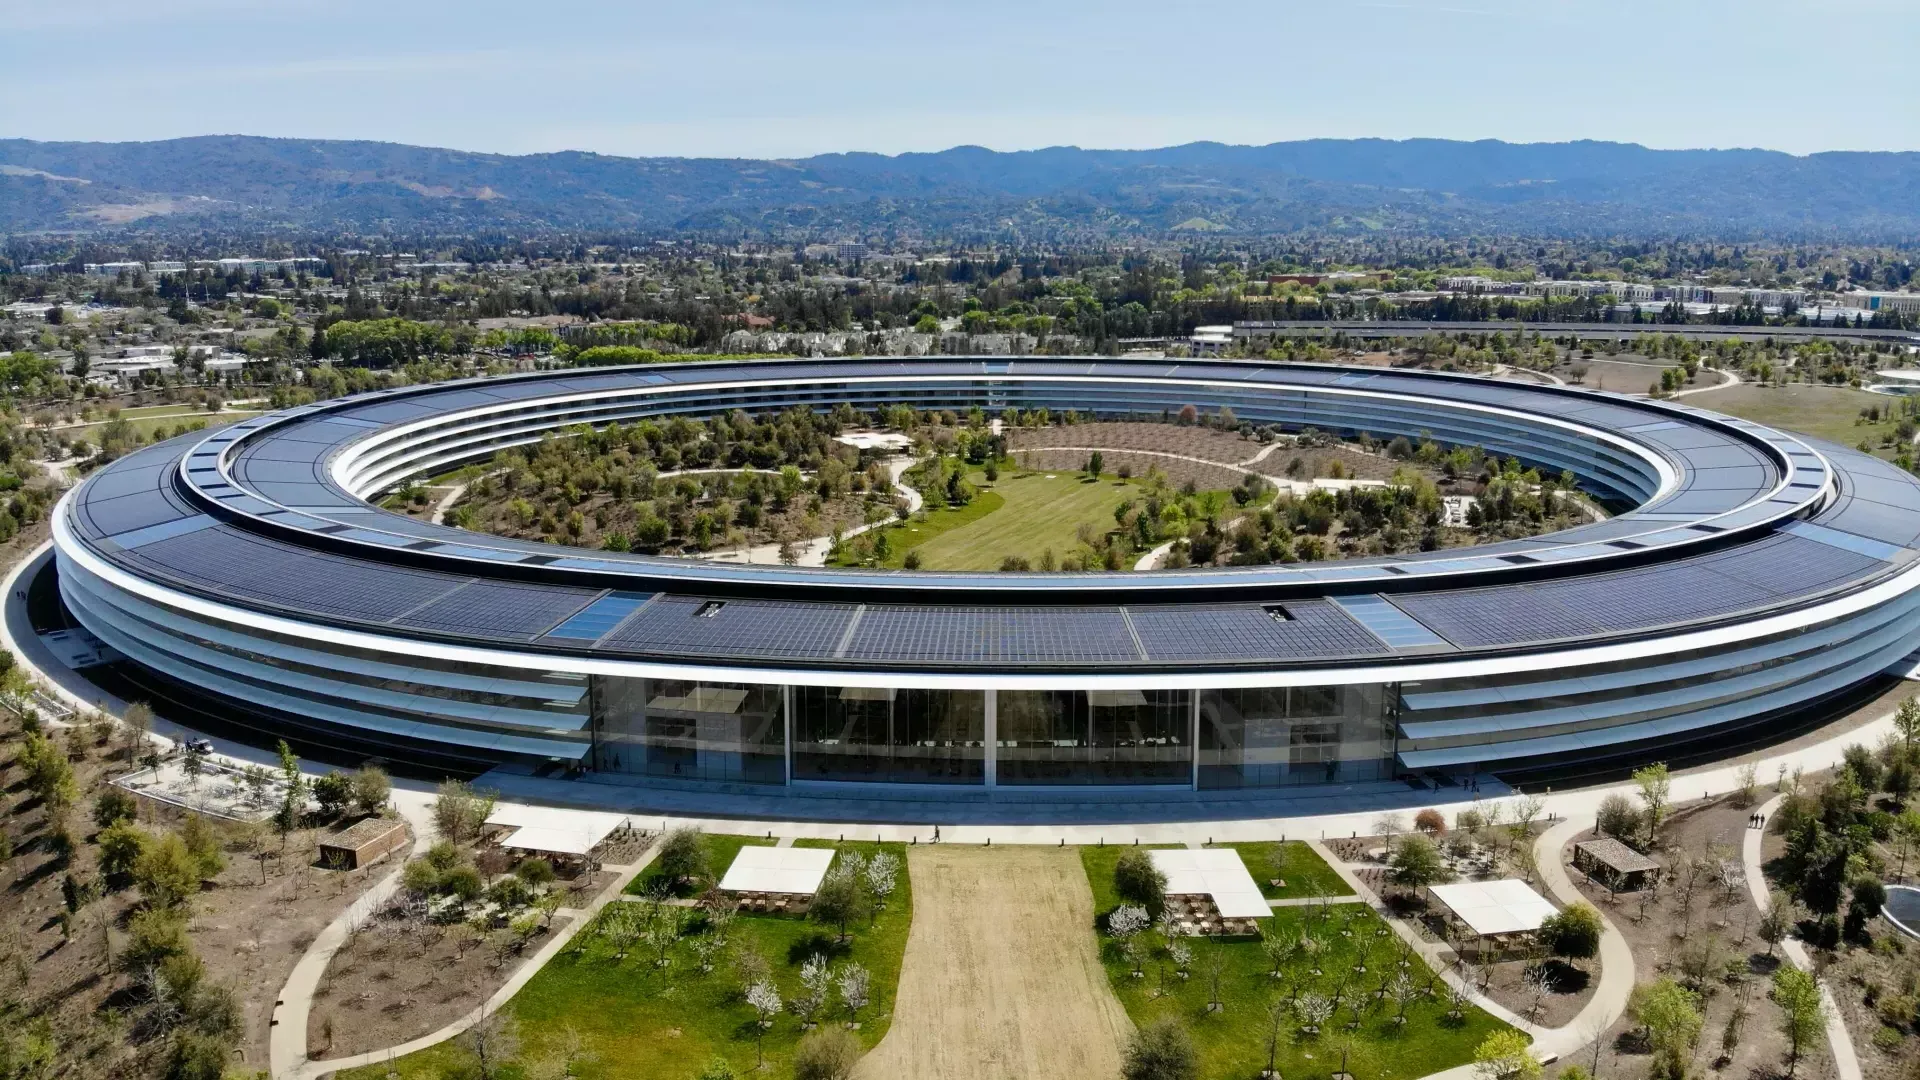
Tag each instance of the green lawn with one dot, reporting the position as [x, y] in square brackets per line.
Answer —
[1041, 512]
[903, 535]
[1825, 412]
[721, 848]
[176, 409]
[148, 425]
[1292, 861]
[1232, 1041]
[641, 1022]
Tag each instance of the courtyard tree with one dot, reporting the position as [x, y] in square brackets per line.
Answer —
[1656, 791]
[883, 876]
[855, 986]
[764, 999]
[1573, 934]
[1669, 1014]
[459, 812]
[1775, 922]
[816, 983]
[1906, 720]
[840, 899]
[683, 855]
[1618, 818]
[1505, 1055]
[1802, 1019]
[1416, 863]
[1137, 881]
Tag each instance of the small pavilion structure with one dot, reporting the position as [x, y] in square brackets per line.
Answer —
[776, 878]
[565, 836]
[1211, 889]
[1614, 864]
[1498, 915]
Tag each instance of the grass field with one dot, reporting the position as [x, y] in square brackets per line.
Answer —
[637, 1021]
[1040, 512]
[1291, 861]
[1232, 1042]
[1825, 412]
[165, 422]
[903, 535]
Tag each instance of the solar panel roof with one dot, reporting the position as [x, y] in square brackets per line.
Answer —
[153, 519]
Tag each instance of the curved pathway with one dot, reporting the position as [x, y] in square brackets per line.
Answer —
[288, 1059]
[1728, 377]
[1845, 1062]
[1609, 999]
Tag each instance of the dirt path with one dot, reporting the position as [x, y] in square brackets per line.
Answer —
[1001, 981]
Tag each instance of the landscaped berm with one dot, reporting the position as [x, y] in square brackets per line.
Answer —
[1319, 989]
[666, 986]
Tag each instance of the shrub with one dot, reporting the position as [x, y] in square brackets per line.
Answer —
[1618, 817]
[1504, 1055]
[1416, 863]
[1161, 1051]
[1138, 881]
[121, 845]
[1573, 933]
[1430, 821]
[112, 807]
[683, 855]
[535, 872]
[459, 811]
[167, 873]
[1887, 1040]
[371, 789]
[826, 1053]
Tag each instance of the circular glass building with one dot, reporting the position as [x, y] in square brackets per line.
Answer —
[1753, 577]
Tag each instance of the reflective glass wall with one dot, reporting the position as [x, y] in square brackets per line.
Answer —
[886, 735]
[1274, 736]
[1094, 736]
[690, 730]
[1245, 737]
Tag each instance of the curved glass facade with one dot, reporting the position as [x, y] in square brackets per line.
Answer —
[1112, 736]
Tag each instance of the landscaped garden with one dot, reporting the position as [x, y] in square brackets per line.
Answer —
[1319, 990]
[658, 985]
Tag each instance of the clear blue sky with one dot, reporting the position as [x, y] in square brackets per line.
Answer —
[715, 77]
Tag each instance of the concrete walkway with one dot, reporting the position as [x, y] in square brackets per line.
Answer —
[1728, 377]
[1845, 1062]
[304, 1068]
[287, 1039]
[1609, 999]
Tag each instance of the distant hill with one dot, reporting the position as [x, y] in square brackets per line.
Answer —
[1423, 185]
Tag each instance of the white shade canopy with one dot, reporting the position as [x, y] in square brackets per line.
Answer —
[1217, 873]
[778, 870]
[1506, 906]
[551, 829]
[550, 841]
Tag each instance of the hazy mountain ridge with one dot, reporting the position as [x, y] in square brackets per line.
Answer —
[1421, 184]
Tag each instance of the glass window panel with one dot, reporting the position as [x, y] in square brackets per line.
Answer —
[1094, 736]
[690, 730]
[884, 734]
[1273, 736]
